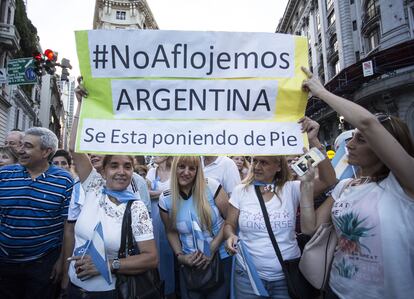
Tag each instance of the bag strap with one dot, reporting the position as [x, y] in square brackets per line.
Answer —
[127, 242]
[269, 228]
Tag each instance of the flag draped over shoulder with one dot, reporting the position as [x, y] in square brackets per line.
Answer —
[343, 170]
[95, 248]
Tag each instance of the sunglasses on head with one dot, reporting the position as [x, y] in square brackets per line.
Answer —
[383, 117]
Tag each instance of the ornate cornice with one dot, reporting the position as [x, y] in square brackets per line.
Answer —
[141, 5]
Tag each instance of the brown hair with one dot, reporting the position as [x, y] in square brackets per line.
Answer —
[399, 130]
[9, 151]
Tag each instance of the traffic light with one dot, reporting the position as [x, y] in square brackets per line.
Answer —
[50, 55]
[38, 63]
[50, 62]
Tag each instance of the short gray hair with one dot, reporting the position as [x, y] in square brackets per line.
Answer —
[48, 139]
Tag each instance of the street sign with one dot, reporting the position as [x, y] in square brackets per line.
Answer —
[3, 76]
[21, 71]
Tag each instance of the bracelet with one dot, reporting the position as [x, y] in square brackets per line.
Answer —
[179, 253]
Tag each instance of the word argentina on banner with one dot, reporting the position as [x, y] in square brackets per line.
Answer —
[186, 92]
[190, 54]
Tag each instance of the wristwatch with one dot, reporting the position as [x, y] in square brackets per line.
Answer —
[116, 264]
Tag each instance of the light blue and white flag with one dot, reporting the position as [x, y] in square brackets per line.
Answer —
[343, 170]
[255, 281]
[95, 248]
[200, 241]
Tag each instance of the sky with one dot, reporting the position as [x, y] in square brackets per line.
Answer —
[57, 22]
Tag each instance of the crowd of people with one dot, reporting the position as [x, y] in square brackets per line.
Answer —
[188, 212]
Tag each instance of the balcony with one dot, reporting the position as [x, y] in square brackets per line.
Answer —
[9, 36]
[370, 19]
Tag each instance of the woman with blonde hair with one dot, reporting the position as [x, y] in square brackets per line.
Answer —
[193, 205]
[372, 213]
[270, 182]
[242, 165]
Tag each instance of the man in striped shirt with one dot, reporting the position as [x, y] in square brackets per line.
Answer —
[34, 199]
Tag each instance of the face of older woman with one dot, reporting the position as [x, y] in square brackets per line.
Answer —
[186, 174]
[118, 172]
[265, 168]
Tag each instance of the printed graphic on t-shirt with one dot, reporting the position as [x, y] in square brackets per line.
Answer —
[280, 219]
[359, 254]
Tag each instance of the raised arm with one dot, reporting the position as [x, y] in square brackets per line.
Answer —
[82, 163]
[326, 173]
[385, 146]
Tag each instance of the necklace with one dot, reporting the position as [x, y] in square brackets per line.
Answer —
[362, 180]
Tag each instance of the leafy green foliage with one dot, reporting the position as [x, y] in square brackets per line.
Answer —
[28, 33]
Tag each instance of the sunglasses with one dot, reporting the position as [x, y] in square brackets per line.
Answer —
[383, 117]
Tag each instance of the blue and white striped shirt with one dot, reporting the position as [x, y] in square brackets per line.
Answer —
[32, 212]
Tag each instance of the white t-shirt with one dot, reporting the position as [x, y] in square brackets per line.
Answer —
[375, 253]
[156, 184]
[225, 171]
[253, 232]
[98, 207]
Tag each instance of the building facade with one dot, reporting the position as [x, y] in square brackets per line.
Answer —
[67, 88]
[346, 36]
[123, 14]
[52, 110]
[18, 104]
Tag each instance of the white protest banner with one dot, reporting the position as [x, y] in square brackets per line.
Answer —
[189, 137]
[186, 92]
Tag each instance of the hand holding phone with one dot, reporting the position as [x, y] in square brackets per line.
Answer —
[301, 165]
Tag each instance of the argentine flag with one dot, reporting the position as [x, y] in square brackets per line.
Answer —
[199, 239]
[95, 248]
[343, 170]
[255, 281]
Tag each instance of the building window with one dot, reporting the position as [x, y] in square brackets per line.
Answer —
[331, 18]
[373, 39]
[357, 56]
[411, 19]
[354, 25]
[372, 8]
[17, 118]
[337, 67]
[120, 15]
[329, 3]
[318, 22]
[351, 2]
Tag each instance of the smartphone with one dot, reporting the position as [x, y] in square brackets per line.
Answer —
[314, 155]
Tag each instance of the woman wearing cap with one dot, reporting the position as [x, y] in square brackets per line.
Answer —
[373, 213]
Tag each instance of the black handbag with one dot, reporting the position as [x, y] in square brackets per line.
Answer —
[146, 285]
[197, 279]
[298, 286]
